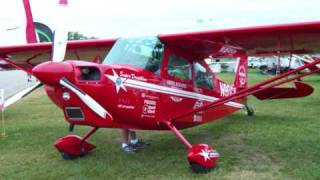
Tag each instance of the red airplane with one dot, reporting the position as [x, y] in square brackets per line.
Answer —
[160, 82]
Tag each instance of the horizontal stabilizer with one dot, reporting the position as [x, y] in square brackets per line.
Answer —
[300, 90]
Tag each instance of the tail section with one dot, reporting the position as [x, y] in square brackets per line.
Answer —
[241, 75]
[35, 31]
[30, 29]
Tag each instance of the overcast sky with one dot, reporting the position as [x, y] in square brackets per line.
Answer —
[108, 19]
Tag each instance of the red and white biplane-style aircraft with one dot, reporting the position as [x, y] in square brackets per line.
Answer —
[160, 82]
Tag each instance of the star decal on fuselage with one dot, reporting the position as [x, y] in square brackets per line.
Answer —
[118, 81]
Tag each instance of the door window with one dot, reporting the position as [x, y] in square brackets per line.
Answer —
[203, 78]
[179, 67]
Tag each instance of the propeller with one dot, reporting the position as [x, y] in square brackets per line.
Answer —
[60, 34]
[58, 53]
[88, 100]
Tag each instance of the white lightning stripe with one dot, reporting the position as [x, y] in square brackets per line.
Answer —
[177, 92]
[88, 100]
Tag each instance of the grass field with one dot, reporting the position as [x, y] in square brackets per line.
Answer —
[282, 141]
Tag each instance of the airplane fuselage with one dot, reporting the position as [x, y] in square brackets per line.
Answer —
[136, 98]
[140, 85]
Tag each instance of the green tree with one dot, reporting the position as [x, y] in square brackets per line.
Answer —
[78, 36]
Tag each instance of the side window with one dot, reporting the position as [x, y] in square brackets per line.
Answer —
[202, 77]
[179, 67]
[154, 62]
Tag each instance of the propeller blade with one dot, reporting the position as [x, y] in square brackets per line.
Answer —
[60, 34]
[21, 94]
[89, 101]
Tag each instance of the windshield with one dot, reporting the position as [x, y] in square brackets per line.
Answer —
[144, 52]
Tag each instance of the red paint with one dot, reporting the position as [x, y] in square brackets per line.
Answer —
[179, 135]
[30, 29]
[204, 155]
[301, 90]
[73, 145]
[47, 72]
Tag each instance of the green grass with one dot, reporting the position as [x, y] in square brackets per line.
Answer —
[282, 141]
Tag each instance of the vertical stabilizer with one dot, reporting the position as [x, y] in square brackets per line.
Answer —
[30, 29]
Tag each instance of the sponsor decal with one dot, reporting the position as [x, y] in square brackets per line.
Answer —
[198, 116]
[148, 96]
[227, 50]
[226, 89]
[176, 84]
[123, 106]
[176, 99]
[242, 75]
[149, 108]
[198, 104]
[132, 76]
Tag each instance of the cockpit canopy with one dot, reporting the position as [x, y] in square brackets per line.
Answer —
[145, 53]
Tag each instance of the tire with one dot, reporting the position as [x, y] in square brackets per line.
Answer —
[197, 168]
[67, 156]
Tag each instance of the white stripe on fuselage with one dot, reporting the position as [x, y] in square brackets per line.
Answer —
[177, 92]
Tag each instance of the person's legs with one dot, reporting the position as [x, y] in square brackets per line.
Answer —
[126, 145]
[135, 142]
[125, 137]
[133, 137]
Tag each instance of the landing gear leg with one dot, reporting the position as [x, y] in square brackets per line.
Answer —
[201, 157]
[249, 110]
[71, 127]
[73, 146]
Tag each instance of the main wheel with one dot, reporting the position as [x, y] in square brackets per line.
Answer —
[197, 168]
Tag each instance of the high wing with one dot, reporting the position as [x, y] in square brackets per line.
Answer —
[298, 38]
[29, 55]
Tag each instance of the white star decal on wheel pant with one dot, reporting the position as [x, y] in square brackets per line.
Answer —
[208, 154]
[205, 155]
